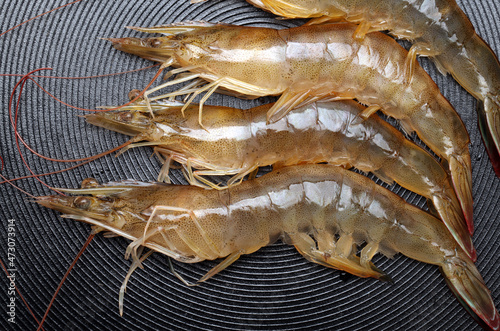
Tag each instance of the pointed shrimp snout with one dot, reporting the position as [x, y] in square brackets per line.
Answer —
[60, 203]
[128, 122]
[155, 49]
[92, 210]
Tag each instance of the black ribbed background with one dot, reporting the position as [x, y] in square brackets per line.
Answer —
[274, 288]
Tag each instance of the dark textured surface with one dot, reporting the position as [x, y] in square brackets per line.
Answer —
[274, 288]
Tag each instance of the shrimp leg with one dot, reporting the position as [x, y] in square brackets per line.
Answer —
[192, 176]
[167, 84]
[349, 262]
[163, 176]
[211, 87]
[166, 156]
[223, 265]
[369, 111]
[362, 30]
[411, 60]
[134, 145]
[288, 10]
[179, 277]
[133, 266]
[283, 9]
[239, 177]
[291, 99]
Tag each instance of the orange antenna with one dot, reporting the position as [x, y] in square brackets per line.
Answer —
[84, 77]
[108, 109]
[14, 124]
[42, 14]
[84, 247]
[15, 186]
[13, 120]
[21, 296]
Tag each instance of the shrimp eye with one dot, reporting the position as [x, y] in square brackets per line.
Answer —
[132, 95]
[126, 117]
[89, 183]
[82, 203]
[155, 43]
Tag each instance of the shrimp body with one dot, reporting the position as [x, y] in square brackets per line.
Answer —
[239, 141]
[438, 29]
[306, 206]
[311, 62]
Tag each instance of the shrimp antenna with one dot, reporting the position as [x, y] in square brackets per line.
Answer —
[40, 15]
[136, 97]
[77, 257]
[13, 120]
[84, 77]
[21, 296]
[48, 173]
[9, 181]
[86, 160]
[84, 247]
[82, 250]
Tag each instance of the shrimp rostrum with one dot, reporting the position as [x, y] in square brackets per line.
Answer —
[306, 206]
[238, 141]
[438, 29]
[305, 64]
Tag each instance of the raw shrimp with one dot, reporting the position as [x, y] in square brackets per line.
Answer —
[307, 63]
[273, 288]
[306, 206]
[439, 29]
[239, 141]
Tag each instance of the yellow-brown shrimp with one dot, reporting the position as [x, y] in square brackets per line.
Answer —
[306, 206]
[309, 62]
[288, 293]
[438, 29]
[239, 141]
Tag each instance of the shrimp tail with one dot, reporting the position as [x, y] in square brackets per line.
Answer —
[489, 126]
[450, 212]
[466, 283]
[460, 169]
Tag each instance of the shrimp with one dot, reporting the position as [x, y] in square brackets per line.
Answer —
[438, 29]
[305, 64]
[274, 288]
[306, 206]
[239, 141]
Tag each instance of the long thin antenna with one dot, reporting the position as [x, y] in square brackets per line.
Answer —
[42, 14]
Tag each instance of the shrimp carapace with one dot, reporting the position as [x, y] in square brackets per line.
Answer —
[323, 210]
[438, 29]
[237, 142]
[305, 64]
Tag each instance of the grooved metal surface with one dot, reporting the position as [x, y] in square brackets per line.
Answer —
[274, 288]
